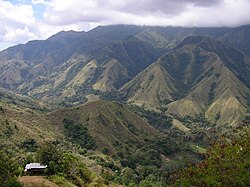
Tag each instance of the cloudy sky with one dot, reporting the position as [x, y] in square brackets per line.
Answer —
[24, 20]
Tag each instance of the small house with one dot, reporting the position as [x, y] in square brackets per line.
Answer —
[34, 168]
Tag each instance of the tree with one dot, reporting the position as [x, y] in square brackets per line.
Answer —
[79, 134]
[226, 164]
[128, 176]
[9, 169]
[64, 163]
[50, 155]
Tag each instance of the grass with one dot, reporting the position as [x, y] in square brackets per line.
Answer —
[197, 149]
[109, 123]
[177, 124]
[37, 181]
[61, 181]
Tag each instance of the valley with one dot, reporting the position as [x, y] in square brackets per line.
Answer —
[123, 105]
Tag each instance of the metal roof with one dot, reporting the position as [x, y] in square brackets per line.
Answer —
[34, 166]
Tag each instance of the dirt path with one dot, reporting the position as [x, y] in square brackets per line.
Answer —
[36, 181]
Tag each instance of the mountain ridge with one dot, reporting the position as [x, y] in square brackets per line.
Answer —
[126, 103]
[68, 66]
[211, 68]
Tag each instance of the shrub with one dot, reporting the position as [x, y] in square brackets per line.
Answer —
[50, 155]
[105, 150]
[79, 134]
[29, 144]
[8, 171]
[13, 182]
[226, 164]
[64, 163]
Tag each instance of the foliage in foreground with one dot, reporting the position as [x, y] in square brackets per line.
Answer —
[226, 164]
[9, 170]
[64, 164]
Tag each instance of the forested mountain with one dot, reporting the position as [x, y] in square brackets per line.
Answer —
[200, 75]
[33, 68]
[181, 71]
[105, 136]
[130, 104]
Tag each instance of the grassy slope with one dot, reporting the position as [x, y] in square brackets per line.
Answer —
[154, 38]
[22, 100]
[126, 136]
[151, 87]
[112, 73]
[109, 123]
[22, 118]
[229, 96]
[18, 124]
[36, 181]
[199, 77]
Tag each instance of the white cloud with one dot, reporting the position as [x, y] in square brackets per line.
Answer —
[149, 12]
[15, 21]
[18, 35]
[16, 15]
[18, 22]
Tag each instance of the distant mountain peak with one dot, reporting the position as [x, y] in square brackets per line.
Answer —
[185, 63]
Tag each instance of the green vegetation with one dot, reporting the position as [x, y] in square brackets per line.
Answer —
[51, 156]
[9, 170]
[29, 145]
[112, 96]
[226, 164]
[8, 97]
[63, 163]
[211, 93]
[9, 131]
[78, 134]
[158, 120]
[186, 81]
[130, 141]
[201, 82]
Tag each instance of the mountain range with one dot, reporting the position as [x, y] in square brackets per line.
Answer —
[182, 71]
[198, 76]
[125, 98]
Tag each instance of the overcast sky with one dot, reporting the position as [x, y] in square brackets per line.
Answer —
[24, 20]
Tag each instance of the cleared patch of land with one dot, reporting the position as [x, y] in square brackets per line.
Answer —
[36, 181]
[177, 124]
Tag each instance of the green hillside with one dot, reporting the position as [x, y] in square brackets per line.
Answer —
[110, 124]
[106, 136]
[121, 105]
[238, 38]
[54, 67]
[193, 79]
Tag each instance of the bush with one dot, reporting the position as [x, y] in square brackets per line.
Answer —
[226, 164]
[13, 182]
[79, 134]
[105, 150]
[8, 171]
[83, 172]
[64, 163]
[50, 155]
[29, 145]
[59, 180]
